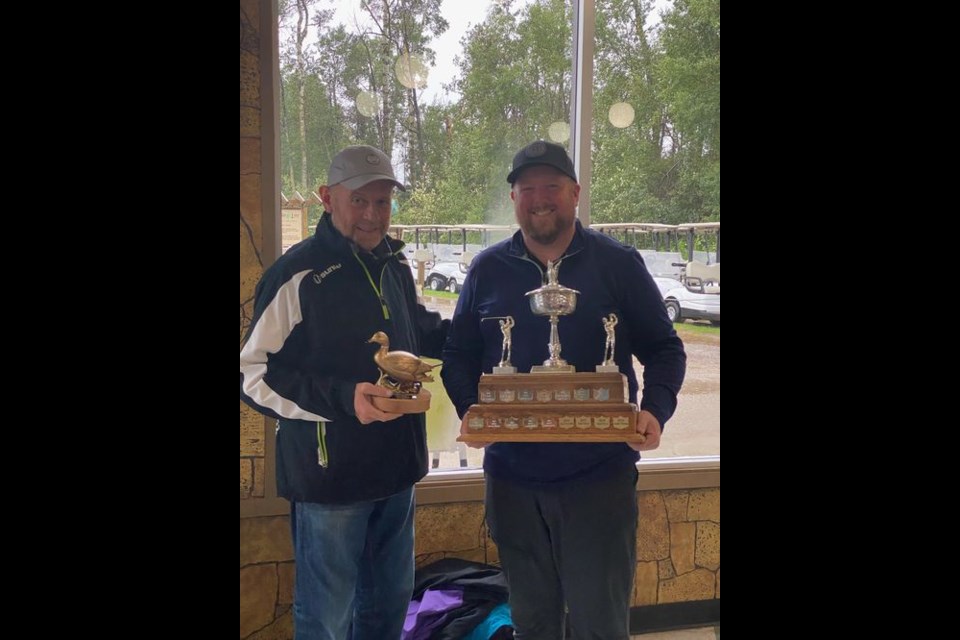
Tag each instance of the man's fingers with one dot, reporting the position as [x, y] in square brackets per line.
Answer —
[375, 415]
[373, 390]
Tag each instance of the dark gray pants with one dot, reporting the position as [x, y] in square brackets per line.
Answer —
[576, 544]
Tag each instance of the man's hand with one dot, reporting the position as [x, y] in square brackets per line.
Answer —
[363, 407]
[472, 445]
[649, 426]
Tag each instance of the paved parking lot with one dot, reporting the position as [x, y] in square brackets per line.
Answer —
[694, 430]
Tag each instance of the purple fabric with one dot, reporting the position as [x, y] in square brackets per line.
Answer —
[429, 613]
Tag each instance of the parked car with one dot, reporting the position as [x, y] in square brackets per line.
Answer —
[445, 275]
[684, 304]
[665, 284]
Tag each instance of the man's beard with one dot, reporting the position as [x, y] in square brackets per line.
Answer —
[546, 235]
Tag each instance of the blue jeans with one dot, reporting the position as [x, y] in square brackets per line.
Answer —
[354, 568]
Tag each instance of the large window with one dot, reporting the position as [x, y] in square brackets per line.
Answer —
[451, 89]
[655, 150]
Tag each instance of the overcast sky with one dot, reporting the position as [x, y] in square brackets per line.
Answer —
[461, 15]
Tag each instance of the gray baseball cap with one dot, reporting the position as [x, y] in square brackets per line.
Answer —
[542, 152]
[359, 165]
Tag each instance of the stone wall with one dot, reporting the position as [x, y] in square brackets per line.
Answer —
[266, 578]
[251, 231]
[678, 546]
[678, 554]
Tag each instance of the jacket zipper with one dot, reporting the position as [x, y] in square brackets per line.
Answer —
[526, 257]
[323, 458]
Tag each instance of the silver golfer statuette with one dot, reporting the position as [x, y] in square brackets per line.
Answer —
[506, 325]
[553, 300]
[608, 365]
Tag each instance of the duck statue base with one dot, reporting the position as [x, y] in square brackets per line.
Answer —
[402, 373]
[403, 402]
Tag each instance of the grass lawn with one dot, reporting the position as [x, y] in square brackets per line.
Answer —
[441, 294]
[690, 327]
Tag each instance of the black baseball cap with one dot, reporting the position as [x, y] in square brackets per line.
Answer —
[542, 152]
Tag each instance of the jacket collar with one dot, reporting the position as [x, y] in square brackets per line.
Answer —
[328, 234]
[518, 249]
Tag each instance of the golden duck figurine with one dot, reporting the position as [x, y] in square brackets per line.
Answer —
[400, 371]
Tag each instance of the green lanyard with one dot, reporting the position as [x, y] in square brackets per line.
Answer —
[383, 301]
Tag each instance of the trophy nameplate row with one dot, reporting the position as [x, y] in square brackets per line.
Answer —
[552, 407]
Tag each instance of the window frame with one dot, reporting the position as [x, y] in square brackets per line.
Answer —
[447, 486]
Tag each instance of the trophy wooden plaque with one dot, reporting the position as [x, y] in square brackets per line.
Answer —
[552, 407]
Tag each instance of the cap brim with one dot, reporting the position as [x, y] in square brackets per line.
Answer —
[358, 181]
[513, 175]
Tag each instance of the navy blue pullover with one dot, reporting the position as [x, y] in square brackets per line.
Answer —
[611, 278]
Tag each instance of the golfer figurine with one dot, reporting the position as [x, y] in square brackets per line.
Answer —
[506, 324]
[609, 324]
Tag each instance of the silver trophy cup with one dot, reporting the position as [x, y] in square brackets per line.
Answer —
[553, 300]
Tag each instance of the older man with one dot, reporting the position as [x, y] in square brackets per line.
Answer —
[347, 468]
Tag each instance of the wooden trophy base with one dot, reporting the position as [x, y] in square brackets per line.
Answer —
[418, 404]
[552, 407]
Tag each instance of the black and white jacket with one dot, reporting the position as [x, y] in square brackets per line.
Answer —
[315, 310]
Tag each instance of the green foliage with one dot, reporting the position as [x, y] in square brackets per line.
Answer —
[690, 67]
[514, 81]
[323, 134]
